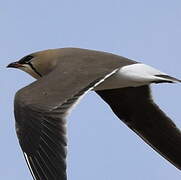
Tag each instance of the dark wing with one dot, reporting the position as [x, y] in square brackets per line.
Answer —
[42, 136]
[136, 108]
[40, 109]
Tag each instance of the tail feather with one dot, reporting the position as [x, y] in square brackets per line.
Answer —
[168, 78]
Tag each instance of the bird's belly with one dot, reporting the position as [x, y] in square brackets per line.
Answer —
[118, 81]
[130, 76]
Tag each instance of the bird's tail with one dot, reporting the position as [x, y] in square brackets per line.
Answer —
[166, 78]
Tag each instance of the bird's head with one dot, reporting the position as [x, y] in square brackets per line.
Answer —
[37, 64]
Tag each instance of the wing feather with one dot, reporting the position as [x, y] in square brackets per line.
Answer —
[41, 108]
[42, 133]
[135, 107]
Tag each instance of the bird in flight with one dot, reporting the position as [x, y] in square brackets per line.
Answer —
[63, 76]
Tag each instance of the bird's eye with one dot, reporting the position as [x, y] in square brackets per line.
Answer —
[26, 59]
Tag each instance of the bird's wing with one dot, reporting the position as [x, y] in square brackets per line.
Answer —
[40, 111]
[135, 107]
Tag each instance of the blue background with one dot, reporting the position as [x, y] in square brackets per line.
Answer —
[100, 147]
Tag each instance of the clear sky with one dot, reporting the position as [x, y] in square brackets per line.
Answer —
[100, 147]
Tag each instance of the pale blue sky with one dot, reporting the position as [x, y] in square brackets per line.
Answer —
[101, 147]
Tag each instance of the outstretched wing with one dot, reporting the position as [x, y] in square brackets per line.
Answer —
[42, 136]
[135, 107]
[41, 108]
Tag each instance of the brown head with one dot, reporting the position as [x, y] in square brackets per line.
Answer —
[39, 63]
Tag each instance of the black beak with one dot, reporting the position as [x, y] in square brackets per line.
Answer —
[14, 65]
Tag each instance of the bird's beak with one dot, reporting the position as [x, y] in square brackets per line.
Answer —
[14, 65]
